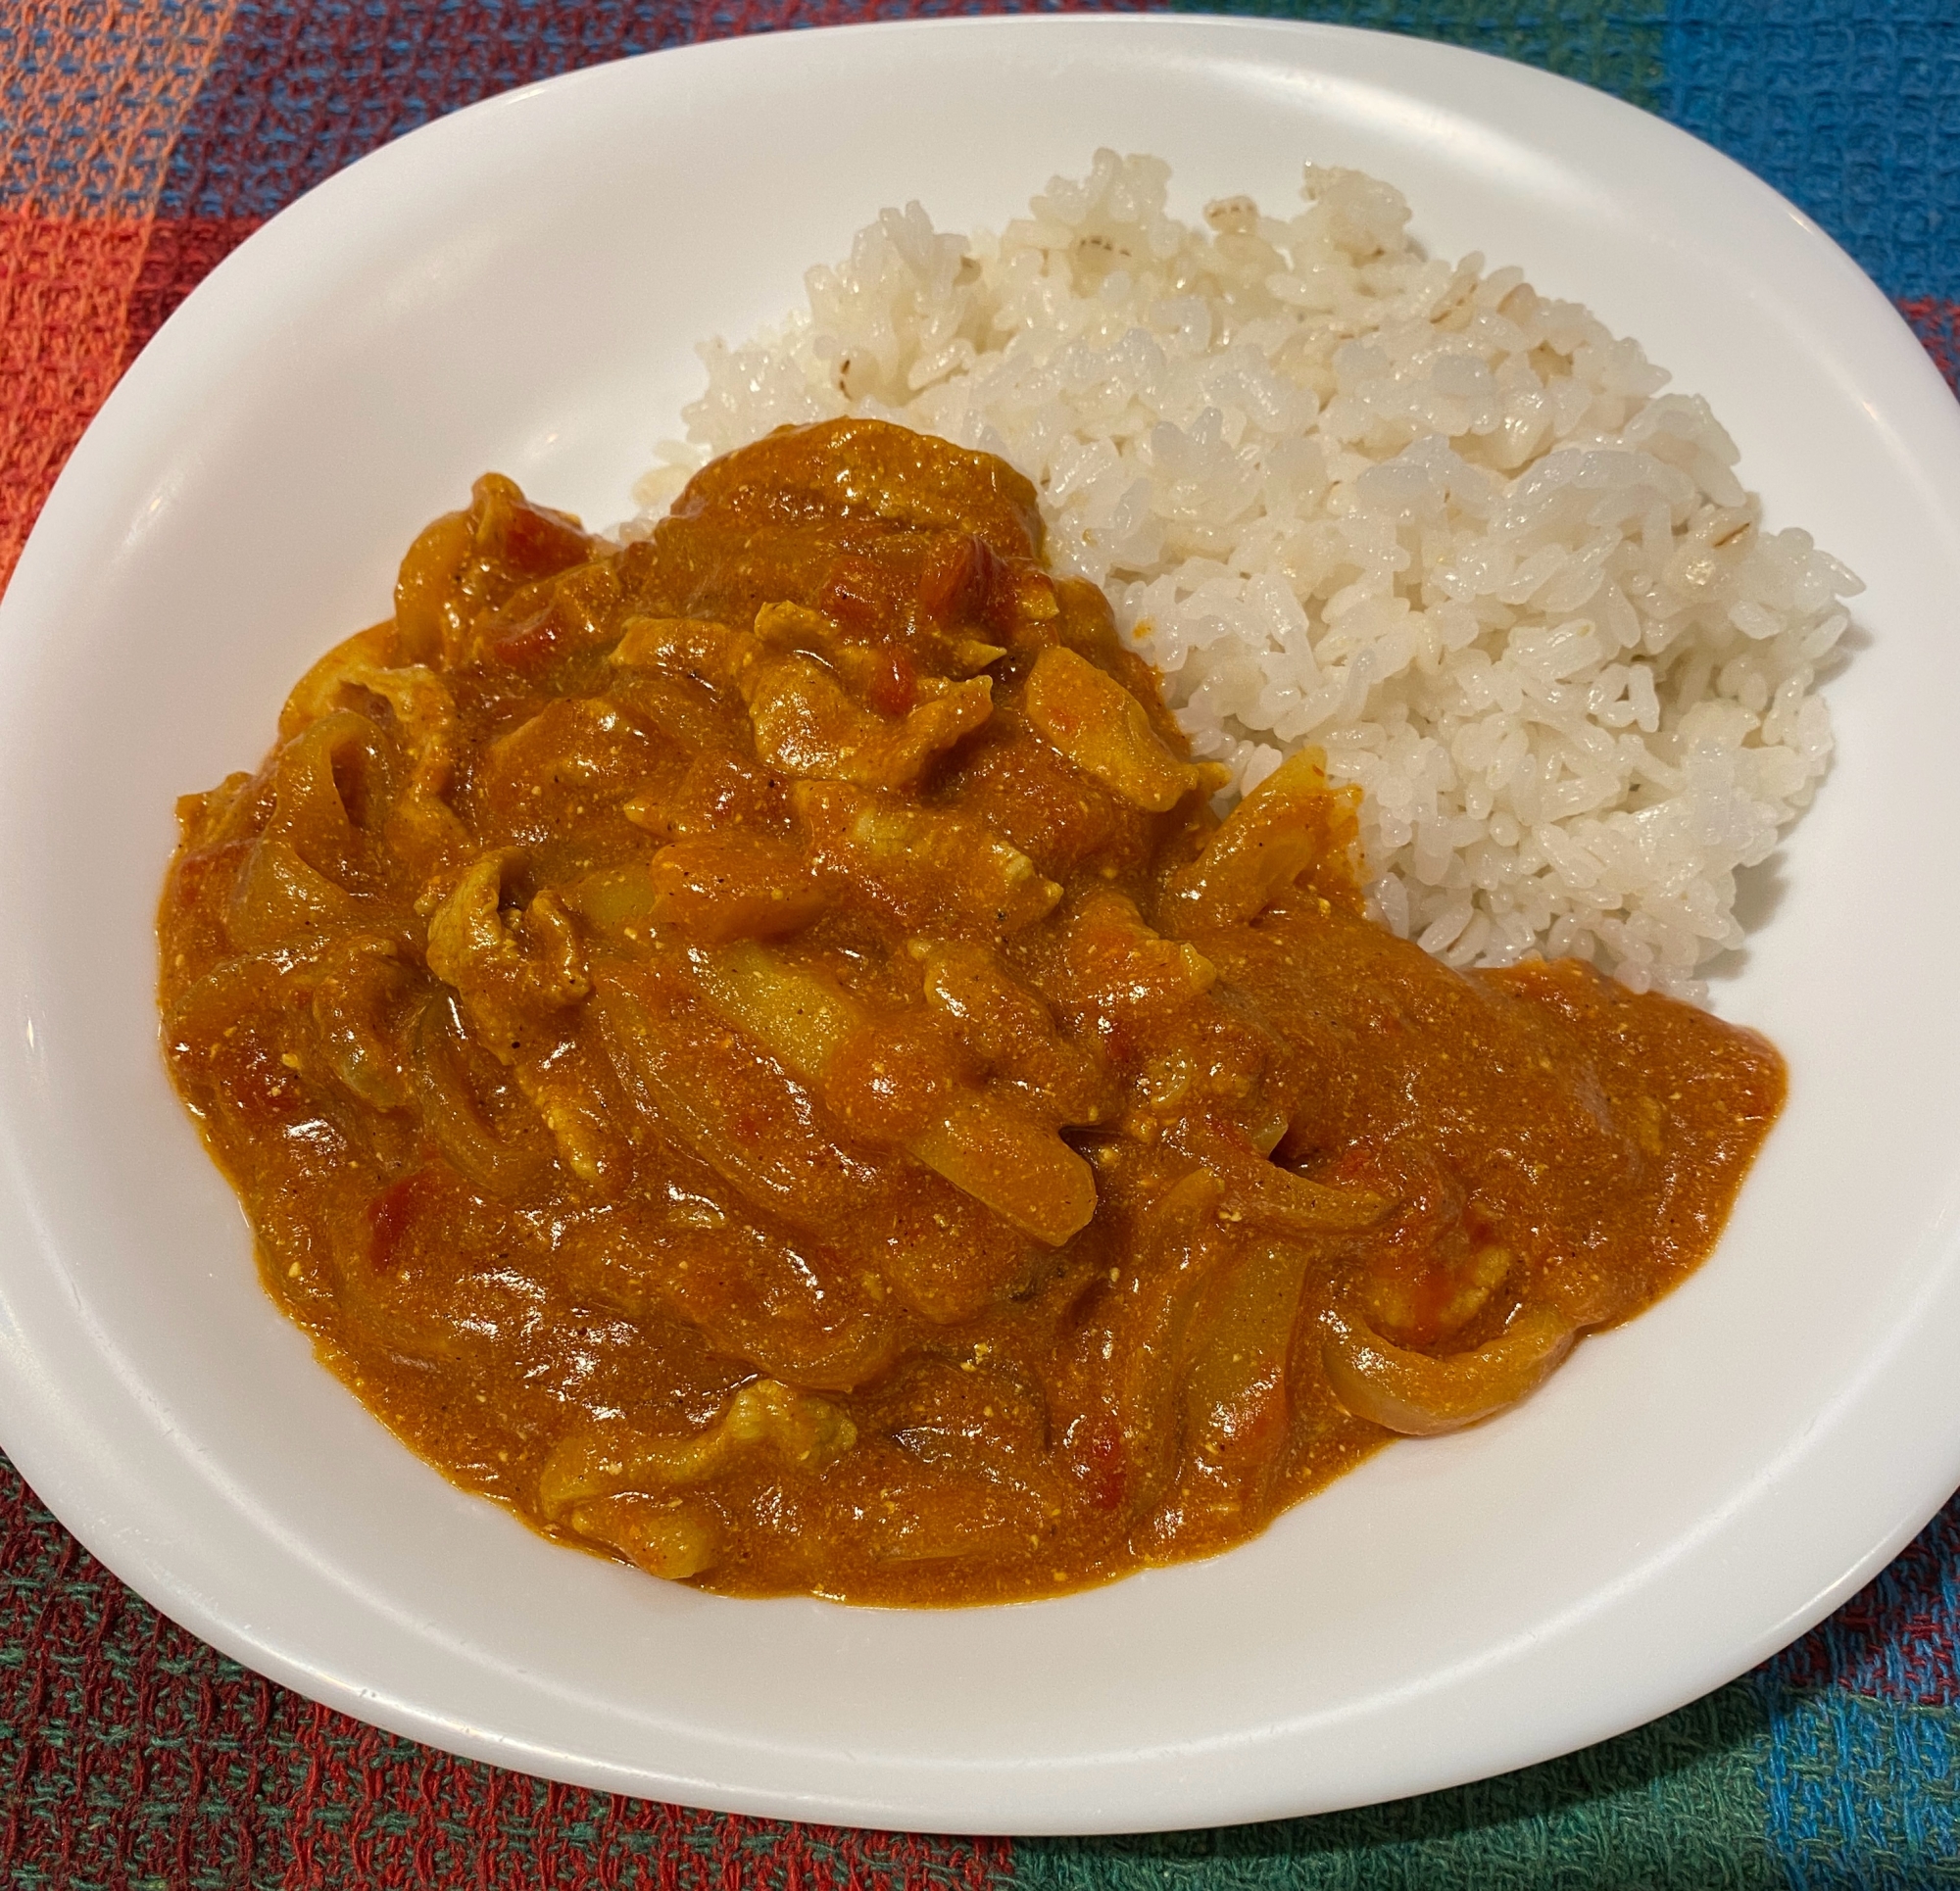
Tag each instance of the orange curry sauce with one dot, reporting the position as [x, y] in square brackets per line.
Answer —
[751, 1049]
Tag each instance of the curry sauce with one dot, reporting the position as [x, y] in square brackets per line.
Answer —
[752, 1049]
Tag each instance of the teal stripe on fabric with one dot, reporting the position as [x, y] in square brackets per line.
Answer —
[1674, 1806]
[1617, 46]
[1851, 108]
[1860, 1792]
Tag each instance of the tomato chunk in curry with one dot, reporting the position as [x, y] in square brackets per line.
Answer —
[752, 1048]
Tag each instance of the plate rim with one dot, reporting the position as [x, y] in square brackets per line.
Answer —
[67, 1482]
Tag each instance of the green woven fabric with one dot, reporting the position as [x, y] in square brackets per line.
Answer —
[1676, 1806]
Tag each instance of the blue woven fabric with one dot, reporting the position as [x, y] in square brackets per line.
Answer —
[1851, 108]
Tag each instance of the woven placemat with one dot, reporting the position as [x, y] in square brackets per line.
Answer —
[139, 143]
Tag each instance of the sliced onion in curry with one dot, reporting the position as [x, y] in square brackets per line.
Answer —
[1422, 1397]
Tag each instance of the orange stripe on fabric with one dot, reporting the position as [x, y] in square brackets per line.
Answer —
[77, 301]
[100, 96]
[64, 317]
[97, 95]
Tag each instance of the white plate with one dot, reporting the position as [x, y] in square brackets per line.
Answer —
[519, 286]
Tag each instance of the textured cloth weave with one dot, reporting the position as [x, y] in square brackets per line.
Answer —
[141, 140]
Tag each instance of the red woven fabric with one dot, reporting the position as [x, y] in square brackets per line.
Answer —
[175, 258]
[376, 1812]
[1936, 322]
[1894, 1640]
[132, 1754]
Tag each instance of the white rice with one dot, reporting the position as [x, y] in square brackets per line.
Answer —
[1348, 494]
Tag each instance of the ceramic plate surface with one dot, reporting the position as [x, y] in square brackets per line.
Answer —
[520, 287]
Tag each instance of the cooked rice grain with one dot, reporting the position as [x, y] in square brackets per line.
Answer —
[1348, 494]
